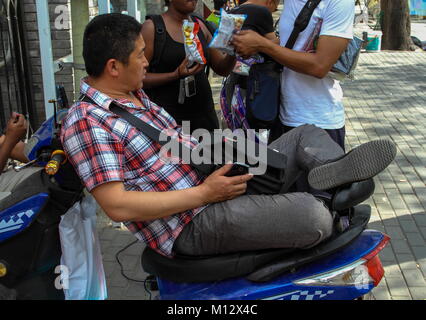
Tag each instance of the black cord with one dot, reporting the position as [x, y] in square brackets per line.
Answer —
[128, 278]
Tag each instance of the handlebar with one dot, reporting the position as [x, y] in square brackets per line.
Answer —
[57, 159]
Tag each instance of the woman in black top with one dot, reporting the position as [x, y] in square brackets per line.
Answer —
[162, 85]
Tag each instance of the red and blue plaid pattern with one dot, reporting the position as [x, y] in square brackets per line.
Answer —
[104, 148]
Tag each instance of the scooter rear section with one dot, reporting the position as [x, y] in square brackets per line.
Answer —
[29, 237]
[30, 247]
[299, 284]
[344, 267]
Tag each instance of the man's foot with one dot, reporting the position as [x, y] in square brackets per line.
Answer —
[352, 195]
[361, 163]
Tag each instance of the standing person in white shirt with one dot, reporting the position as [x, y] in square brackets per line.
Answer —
[309, 96]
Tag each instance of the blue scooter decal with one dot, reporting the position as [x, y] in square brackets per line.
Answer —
[15, 219]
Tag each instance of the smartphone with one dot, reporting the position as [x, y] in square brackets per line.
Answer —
[238, 169]
[190, 88]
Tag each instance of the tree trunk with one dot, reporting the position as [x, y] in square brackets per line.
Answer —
[396, 25]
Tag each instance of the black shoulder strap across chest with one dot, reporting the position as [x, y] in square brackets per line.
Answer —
[302, 21]
[159, 40]
[148, 130]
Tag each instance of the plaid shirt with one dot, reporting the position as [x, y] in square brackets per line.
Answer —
[103, 148]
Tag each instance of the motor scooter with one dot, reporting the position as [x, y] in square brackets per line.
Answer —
[345, 267]
[30, 248]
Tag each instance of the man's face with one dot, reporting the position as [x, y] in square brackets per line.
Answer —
[134, 72]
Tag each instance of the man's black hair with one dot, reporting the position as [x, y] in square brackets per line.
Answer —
[109, 36]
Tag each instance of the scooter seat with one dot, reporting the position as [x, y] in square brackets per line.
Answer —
[257, 266]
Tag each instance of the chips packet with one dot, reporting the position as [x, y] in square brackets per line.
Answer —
[193, 47]
[228, 25]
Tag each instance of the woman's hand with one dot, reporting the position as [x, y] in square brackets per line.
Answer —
[183, 71]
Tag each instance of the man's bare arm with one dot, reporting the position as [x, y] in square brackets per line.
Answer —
[316, 64]
[121, 205]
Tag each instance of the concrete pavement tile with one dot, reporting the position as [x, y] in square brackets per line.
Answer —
[418, 293]
[422, 264]
[103, 244]
[423, 231]
[415, 239]
[392, 269]
[421, 191]
[380, 198]
[400, 247]
[381, 292]
[420, 218]
[136, 249]
[124, 239]
[129, 263]
[397, 287]
[109, 268]
[419, 252]
[405, 188]
[414, 278]
[412, 202]
[407, 261]
[385, 209]
[111, 252]
[115, 293]
[395, 233]
[391, 223]
[117, 279]
[403, 214]
[136, 290]
[377, 225]
[138, 273]
[409, 226]
[387, 255]
[402, 297]
[107, 234]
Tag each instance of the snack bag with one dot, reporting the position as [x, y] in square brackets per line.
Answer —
[228, 25]
[242, 66]
[193, 47]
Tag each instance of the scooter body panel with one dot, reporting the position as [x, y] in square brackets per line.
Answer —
[283, 287]
[42, 138]
[17, 218]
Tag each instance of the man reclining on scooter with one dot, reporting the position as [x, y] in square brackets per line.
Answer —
[172, 207]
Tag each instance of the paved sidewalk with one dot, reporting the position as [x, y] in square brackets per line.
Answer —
[387, 100]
